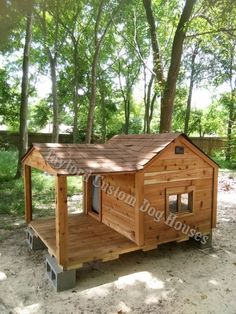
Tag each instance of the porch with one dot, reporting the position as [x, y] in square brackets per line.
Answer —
[88, 240]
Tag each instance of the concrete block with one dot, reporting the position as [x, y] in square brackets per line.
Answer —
[34, 242]
[207, 241]
[61, 279]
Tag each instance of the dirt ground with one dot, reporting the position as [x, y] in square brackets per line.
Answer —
[175, 278]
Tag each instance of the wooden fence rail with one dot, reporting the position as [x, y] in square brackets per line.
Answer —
[8, 139]
[210, 144]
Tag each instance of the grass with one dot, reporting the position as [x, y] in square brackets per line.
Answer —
[12, 190]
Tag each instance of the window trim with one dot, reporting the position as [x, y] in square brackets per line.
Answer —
[178, 191]
[97, 216]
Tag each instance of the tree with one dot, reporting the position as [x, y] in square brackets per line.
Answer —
[75, 24]
[53, 39]
[101, 63]
[99, 37]
[224, 45]
[149, 101]
[106, 109]
[130, 76]
[191, 85]
[168, 86]
[229, 102]
[9, 99]
[23, 145]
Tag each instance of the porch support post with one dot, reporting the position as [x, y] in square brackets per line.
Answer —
[139, 215]
[61, 221]
[28, 193]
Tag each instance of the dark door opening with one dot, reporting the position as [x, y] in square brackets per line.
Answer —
[96, 182]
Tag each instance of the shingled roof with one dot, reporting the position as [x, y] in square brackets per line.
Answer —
[122, 153]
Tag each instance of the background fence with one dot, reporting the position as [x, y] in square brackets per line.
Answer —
[12, 139]
[210, 145]
[7, 139]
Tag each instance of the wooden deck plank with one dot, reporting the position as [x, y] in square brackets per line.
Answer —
[88, 239]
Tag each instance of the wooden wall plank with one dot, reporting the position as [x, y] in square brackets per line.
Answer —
[122, 229]
[197, 152]
[107, 210]
[119, 214]
[139, 215]
[180, 176]
[61, 220]
[35, 160]
[116, 204]
[176, 164]
[172, 171]
[28, 193]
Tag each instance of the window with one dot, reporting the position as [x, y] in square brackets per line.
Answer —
[180, 201]
[179, 150]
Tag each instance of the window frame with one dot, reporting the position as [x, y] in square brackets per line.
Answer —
[89, 196]
[190, 190]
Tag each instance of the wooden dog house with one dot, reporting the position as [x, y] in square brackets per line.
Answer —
[132, 185]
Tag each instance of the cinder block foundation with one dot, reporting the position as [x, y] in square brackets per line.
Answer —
[61, 280]
[208, 241]
[34, 242]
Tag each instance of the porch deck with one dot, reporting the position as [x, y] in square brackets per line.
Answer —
[88, 240]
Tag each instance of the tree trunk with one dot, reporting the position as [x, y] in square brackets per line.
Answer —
[229, 133]
[145, 100]
[55, 130]
[75, 98]
[190, 91]
[23, 145]
[52, 58]
[149, 101]
[93, 92]
[167, 99]
[92, 100]
[157, 62]
[103, 113]
[151, 112]
[232, 114]
[98, 44]
[127, 114]
[231, 122]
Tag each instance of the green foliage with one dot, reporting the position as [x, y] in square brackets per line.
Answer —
[125, 53]
[7, 164]
[12, 195]
[9, 99]
[219, 158]
[214, 120]
[11, 201]
[39, 116]
[211, 121]
[179, 109]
